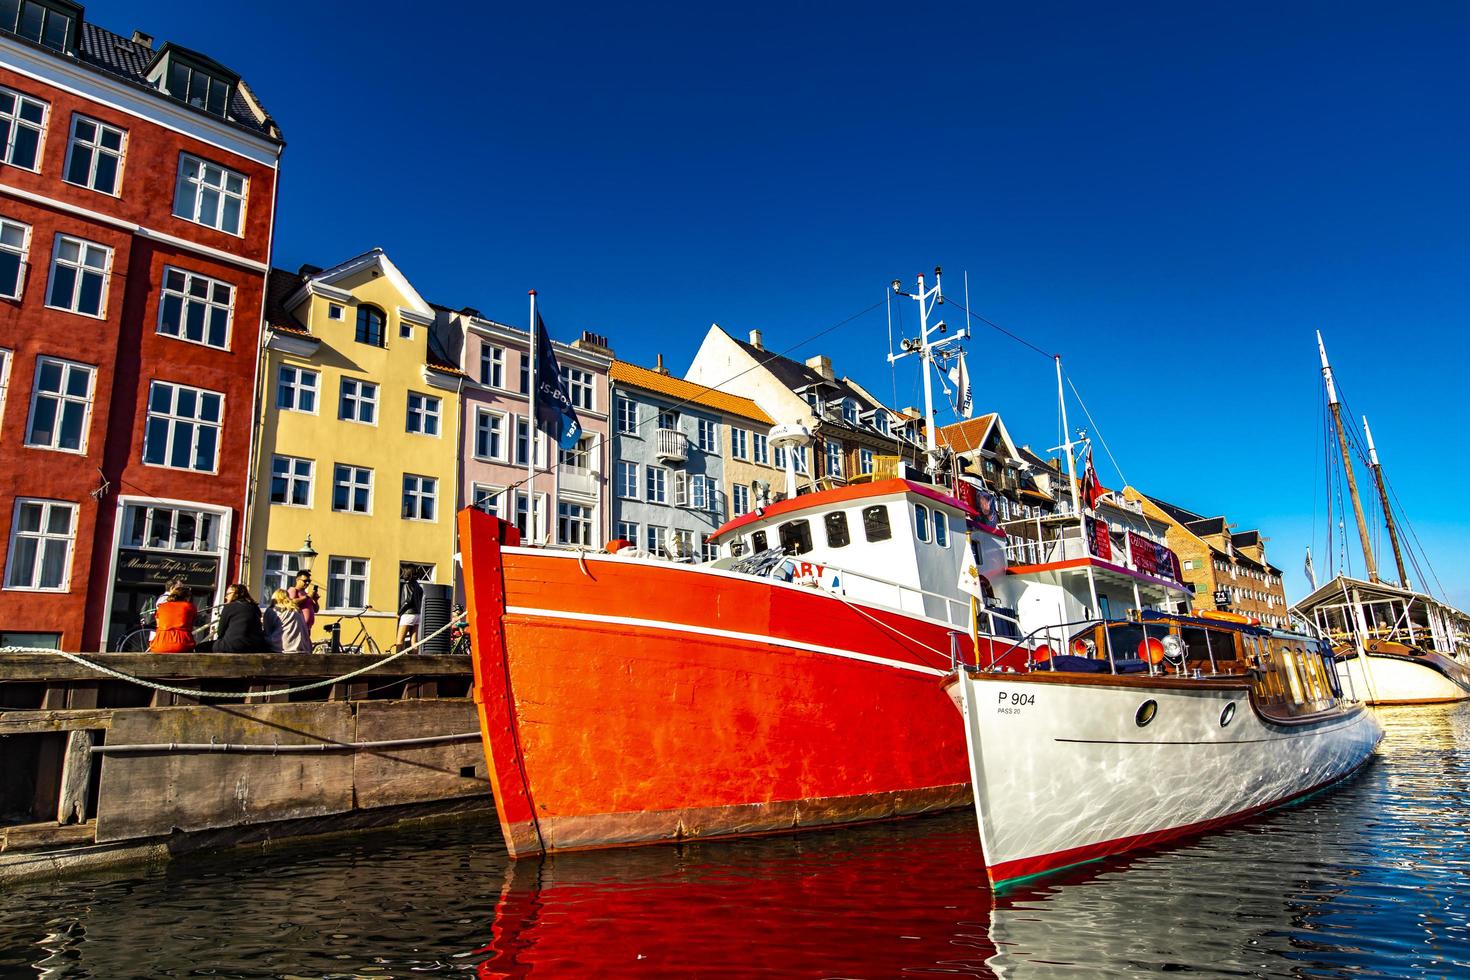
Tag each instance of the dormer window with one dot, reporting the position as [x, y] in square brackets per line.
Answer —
[813, 400]
[52, 25]
[194, 79]
[849, 411]
[880, 421]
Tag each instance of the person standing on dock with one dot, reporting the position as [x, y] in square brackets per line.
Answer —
[410, 598]
[238, 627]
[285, 627]
[175, 618]
[306, 597]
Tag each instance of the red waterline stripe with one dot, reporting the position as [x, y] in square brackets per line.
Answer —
[1032, 866]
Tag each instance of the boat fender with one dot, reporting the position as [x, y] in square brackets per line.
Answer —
[1150, 650]
[1041, 654]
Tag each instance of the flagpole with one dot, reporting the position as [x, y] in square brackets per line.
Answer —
[532, 430]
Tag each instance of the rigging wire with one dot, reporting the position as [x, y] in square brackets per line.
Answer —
[1096, 428]
[991, 323]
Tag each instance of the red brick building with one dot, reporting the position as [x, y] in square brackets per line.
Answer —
[137, 198]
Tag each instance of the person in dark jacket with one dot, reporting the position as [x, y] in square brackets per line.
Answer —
[410, 598]
[238, 628]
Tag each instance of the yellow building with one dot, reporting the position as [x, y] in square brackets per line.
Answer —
[358, 443]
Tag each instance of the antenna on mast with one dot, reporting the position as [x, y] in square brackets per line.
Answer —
[927, 349]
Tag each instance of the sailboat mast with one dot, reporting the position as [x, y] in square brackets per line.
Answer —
[1347, 463]
[1393, 534]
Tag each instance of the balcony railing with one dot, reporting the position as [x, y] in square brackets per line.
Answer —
[671, 446]
[579, 480]
[1037, 542]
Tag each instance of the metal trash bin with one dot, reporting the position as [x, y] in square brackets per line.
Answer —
[434, 613]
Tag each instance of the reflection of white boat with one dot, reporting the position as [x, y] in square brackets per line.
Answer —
[1100, 753]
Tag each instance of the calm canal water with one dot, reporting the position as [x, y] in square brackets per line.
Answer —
[1372, 879]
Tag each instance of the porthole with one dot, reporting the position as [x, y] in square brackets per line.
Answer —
[1146, 712]
[1227, 713]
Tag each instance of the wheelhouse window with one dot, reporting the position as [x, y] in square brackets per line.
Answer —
[371, 326]
[296, 389]
[41, 535]
[875, 523]
[941, 528]
[837, 534]
[22, 124]
[49, 25]
[79, 271]
[183, 427]
[15, 245]
[921, 522]
[758, 542]
[195, 308]
[61, 405]
[210, 195]
[95, 154]
[352, 489]
[796, 537]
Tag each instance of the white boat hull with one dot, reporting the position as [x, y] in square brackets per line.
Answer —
[1400, 680]
[1063, 773]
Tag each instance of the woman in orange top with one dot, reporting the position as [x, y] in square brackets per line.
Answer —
[175, 619]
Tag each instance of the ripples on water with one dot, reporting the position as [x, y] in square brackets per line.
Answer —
[1372, 879]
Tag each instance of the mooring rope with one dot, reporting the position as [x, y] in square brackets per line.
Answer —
[192, 693]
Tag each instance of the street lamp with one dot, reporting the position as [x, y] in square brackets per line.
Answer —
[305, 556]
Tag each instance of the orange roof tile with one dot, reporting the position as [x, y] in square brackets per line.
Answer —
[686, 391]
[964, 437]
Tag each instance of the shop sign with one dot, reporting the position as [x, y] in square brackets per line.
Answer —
[153, 568]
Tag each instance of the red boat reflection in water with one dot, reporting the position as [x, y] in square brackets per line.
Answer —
[871, 901]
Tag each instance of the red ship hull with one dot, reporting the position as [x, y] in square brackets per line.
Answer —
[627, 702]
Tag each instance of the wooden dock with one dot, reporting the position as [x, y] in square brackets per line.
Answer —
[96, 770]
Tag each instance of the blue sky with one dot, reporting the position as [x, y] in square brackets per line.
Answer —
[1174, 196]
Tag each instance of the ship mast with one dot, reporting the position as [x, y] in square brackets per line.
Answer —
[925, 348]
[1393, 534]
[1347, 463]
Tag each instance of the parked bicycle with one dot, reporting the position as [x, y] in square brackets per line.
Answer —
[138, 640]
[459, 634]
[363, 642]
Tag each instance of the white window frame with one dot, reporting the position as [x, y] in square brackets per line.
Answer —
[431, 407]
[199, 186]
[921, 522]
[636, 537]
[620, 486]
[8, 150]
[174, 420]
[739, 443]
[482, 412]
[485, 491]
[760, 448]
[707, 435]
[662, 480]
[940, 522]
[352, 484]
[658, 540]
[699, 495]
[567, 520]
[41, 537]
[62, 399]
[834, 458]
[366, 394]
[97, 149]
[209, 527]
[283, 577]
[81, 269]
[296, 388]
[293, 478]
[849, 411]
[493, 359]
[186, 298]
[348, 575]
[535, 442]
[739, 500]
[22, 254]
[580, 388]
[627, 416]
[417, 491]
[866, 463]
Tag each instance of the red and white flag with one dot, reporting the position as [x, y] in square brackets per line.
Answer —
[1092, 490]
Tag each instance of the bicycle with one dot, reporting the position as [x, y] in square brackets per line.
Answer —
[363, 642]
[139, 640]
[459, 637]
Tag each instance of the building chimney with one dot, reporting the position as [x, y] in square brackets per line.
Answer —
[822, 364]
[594, 342]
[144, 39]
[659, 367]
[755, 340]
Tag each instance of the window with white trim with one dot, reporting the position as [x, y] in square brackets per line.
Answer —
[628, 531]
[79, 273]
[524, 434]
[523, 505]
[199, 88]
[296, 389]
[658, 538]
[739, 443]
[707, 435]
[921, 522]
[352, 489]
[423, 414]
[849, 411]
[279, 571]
[486, 498]
[160, 528]
[15, 246]
[627, 480]
[574, 524]
[739, 500]
[183, 427]
[208, 194]
[579, 387]
[579, 457]
[658, 485]
[699, 495]
[61, 405]
[865, 461]
[834, 458]
[291, 481]
[41, 535]
[709, 552]
[6, 357]
[683, 543]
[94, 157]
[357, 401]
[492, 366]
[47, 24]
[420, 497]
[334, 311]
[880, 421]
[195, 308]
[941, 528]
[347, 583]
[760, 446]
[489, 435]
[627, 416]
[22, 127]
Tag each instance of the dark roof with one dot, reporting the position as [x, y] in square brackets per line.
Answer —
[1178, 514]
[798, 376]
[124, 58]
[279, 287]
[1212, 525]
[1245, 539]
[439, 359]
